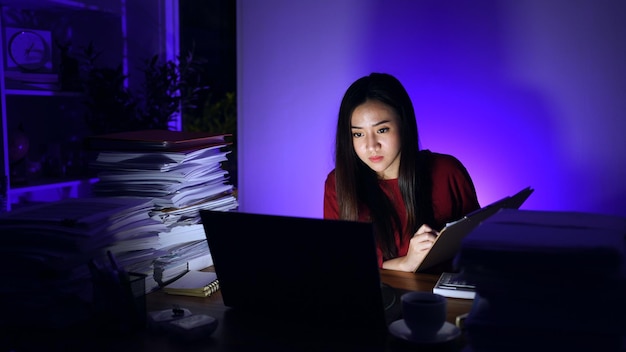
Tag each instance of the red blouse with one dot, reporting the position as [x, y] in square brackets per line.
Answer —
[453, 197]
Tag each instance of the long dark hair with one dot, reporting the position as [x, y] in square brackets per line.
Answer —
[357, 184]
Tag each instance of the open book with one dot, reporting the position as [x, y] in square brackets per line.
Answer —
[449, 240]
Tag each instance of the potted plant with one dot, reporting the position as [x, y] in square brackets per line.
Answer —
[169, 88]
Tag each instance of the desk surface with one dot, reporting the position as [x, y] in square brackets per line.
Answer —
[224, 338]
[214, 306]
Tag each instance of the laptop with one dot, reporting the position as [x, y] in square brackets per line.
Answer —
[313, 280]
[448, 242]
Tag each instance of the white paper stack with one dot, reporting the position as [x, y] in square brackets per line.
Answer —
[554, 280]
[75, 226]
[181, 257]
[181, 173]
[173, 179]
[47, 249]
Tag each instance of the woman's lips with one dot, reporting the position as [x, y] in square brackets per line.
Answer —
[375, 159]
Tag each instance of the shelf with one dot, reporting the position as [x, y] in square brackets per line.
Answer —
[106, 6]
[50, 192]
[43, 93]
[46, 183]
[43, 126]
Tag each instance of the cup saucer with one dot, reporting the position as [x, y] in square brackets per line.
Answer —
[447, 332]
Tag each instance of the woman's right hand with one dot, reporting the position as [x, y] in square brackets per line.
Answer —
[420, 244]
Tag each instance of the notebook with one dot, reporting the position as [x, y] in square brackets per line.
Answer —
[317, 277]
[194, 283]
[448, 242]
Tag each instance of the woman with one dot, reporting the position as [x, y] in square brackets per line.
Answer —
[382, 176]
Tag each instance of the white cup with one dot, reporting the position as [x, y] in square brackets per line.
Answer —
[424, 313]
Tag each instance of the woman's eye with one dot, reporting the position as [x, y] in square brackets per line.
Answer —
[383, 130]
[357, 134]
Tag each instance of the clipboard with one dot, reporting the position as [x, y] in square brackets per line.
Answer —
[449, 240]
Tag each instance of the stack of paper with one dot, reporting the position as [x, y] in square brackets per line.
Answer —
[82, 226]
[47, 249]
[182, 249]
[181, 257]
[173, 179]
[550, 279]
[181, 173]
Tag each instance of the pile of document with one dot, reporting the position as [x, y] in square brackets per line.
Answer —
[181, 172]
[48, 249]
[546, 280]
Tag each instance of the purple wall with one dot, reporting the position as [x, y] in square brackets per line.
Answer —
[524, 93]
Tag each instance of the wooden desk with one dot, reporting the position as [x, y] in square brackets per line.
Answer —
[424, 282]
[227, 337]
[402, 281]
[214, 306]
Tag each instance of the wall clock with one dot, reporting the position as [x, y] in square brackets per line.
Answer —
[28, 49]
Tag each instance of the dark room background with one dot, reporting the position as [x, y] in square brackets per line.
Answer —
[208, 29]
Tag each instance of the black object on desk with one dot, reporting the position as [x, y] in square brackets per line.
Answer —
[119, 302]
[309, 281]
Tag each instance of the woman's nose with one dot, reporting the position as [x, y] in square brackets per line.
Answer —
[372, 143]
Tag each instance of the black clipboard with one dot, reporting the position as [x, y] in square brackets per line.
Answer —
[449, 240]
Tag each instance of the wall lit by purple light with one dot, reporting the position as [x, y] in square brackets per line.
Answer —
[524, 93]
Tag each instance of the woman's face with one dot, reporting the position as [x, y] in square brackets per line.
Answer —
[376, 137]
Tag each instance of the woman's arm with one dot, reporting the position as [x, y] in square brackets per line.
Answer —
[421, 242]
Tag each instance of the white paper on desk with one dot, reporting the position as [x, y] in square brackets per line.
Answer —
[222, 202]
[155, 158]
[180, 234]
[80, 212]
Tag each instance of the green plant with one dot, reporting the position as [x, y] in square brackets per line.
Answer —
[217, 116]
[169, 88]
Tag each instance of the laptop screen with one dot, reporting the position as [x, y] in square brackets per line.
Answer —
[309, 272]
